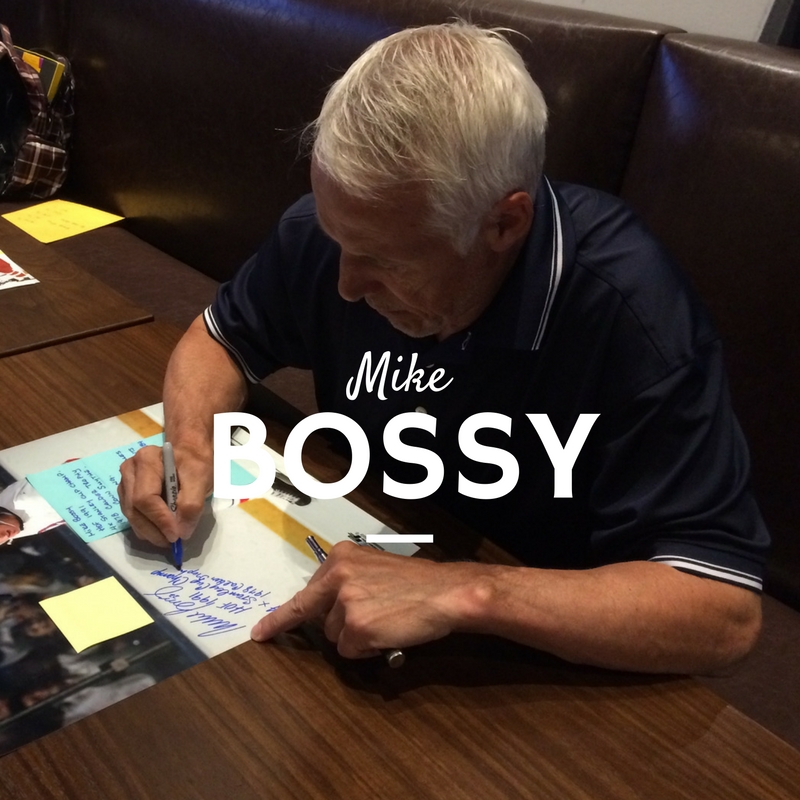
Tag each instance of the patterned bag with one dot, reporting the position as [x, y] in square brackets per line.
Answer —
[34, 131]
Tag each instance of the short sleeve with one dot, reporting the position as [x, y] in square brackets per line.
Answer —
[255, 315]
[672, 479]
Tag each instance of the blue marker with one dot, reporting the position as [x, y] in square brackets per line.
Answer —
[171, 494]
[177, 554]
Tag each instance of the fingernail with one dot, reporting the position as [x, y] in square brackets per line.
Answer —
[255, 634]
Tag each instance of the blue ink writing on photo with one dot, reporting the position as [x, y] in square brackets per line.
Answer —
[189, 591]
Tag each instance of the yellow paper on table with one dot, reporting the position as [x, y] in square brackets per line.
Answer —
[57, 219]
[95, 613]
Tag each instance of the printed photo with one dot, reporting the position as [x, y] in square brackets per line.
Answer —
[11, 274]
[44, 683]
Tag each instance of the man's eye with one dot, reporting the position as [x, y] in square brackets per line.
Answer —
[375, 263]
[387, 265]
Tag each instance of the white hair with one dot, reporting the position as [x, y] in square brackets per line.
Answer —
[452, 106]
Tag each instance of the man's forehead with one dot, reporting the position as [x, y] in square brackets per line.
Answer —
[399, 213]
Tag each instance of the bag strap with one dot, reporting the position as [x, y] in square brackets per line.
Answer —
[37, 99]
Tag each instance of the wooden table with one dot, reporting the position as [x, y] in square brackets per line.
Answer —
[67, 303]
[466, 717]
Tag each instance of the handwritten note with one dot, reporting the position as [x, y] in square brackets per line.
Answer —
[95, 613]
[234, 572]
[84, 492]
[58, 219]
[215, 605]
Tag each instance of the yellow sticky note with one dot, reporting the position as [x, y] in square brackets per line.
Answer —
[95, 613]
[57, 219]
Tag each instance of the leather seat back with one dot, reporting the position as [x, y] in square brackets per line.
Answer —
[715, 171]
[188, 112]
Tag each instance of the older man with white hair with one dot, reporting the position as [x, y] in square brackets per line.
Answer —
[432, 236]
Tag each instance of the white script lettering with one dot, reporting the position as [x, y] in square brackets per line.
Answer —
[370, 377]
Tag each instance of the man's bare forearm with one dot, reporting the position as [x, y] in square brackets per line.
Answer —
[201, 380]
[636, 615]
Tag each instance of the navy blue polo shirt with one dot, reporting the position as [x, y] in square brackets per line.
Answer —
[593, 318]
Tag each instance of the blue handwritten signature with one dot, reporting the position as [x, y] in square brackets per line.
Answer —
[190, 590]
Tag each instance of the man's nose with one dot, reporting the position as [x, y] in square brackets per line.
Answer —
[353, 279]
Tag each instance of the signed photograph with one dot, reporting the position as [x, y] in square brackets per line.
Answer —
[44, 683]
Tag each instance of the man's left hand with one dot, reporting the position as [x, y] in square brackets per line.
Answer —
[370, 600]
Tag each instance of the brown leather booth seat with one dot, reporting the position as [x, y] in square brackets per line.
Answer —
[188, 112]
[715, 171]
[37, 23]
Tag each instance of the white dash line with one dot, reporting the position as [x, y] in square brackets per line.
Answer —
[400, 538]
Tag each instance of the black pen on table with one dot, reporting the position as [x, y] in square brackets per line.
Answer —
[171, 492]
[394, 658]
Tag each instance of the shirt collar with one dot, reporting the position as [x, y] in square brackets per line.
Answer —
[518, 315]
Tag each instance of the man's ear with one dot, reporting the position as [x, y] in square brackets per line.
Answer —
[509, 221]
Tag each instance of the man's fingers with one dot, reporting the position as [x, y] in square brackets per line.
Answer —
[146, 529]
[350, 640]
[313, 601]
[333, 623]
[357, 593]
[139, 491]
[295, 612]
[195, 486]
[351, 645]
[142, 502]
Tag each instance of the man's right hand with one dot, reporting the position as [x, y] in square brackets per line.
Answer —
[141, 495]
[201, 380]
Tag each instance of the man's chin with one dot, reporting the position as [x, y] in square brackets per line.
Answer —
[410, 325]
[407, 322]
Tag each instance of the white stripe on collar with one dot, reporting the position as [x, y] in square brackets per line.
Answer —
[556, 266]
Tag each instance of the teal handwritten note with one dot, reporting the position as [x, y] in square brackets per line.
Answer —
[84, 491]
